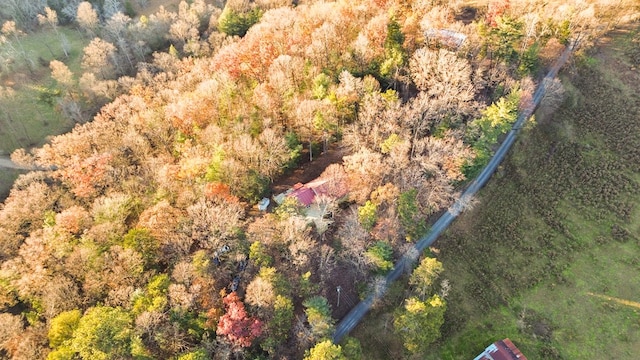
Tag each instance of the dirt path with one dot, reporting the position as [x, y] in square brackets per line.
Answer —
[308, 170]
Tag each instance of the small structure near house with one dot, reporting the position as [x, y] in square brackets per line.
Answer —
[263, 204]
[448, 38]
[501, 350]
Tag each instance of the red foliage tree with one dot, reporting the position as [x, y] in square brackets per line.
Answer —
[239, 328]
[86, 176]
[219, 191]
[496, 9]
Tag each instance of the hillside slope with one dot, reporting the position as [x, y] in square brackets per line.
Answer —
[549, 258]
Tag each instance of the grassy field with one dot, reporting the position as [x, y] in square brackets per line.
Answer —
[550, 256]
[25, 121]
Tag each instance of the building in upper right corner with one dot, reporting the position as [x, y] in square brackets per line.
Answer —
[501, 350]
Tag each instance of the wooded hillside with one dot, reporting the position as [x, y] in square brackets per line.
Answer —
[143, 241]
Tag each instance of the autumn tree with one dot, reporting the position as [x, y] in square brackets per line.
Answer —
[239, 328]
[369, 46]
[163, 223]
[258, 254]
[98, 58]
[366, 171]
[23, 212]
[260, 292]
[62, 327]
[214, 223]
[318, 313]
[418, 322]
[186, 29]
[354, 240]
[423, 277]
[30, 344]
[60, 294]
[50, 18]
[367, 215]
[279, 326]
[10, 327]
[87, 18]
[200, 354]
[441, 73]
[553, 97]
[11, 38]
[485, 131]
[117, 31]
[236, 19]
[325, 350]
[61, 73]
[103, 333]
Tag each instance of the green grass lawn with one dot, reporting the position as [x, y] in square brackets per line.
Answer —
[25, 121]
[564, 316]
[7, 177]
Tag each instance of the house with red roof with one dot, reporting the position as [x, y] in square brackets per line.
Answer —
[307, 193]
[501, 350]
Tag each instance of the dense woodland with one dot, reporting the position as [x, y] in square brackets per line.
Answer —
[142, 241]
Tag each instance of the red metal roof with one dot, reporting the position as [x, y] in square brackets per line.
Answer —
[501, 350]
[304, 195]
[328, 188]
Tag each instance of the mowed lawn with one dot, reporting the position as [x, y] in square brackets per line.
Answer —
[550, 257]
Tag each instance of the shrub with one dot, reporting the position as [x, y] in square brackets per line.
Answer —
[367, 215]
[380, 255]
[234, 23]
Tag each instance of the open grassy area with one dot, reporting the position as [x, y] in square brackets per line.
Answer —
[152, 6]
[25, 120]
[7, 177]
[550, 256]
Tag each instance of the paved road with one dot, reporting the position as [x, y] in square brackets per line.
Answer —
[6, 162]
[408, 259]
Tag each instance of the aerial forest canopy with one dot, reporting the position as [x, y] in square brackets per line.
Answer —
[139, 240]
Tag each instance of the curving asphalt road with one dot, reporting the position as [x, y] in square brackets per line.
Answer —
[409, 258]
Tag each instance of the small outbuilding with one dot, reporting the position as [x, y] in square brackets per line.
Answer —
[449, 38]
